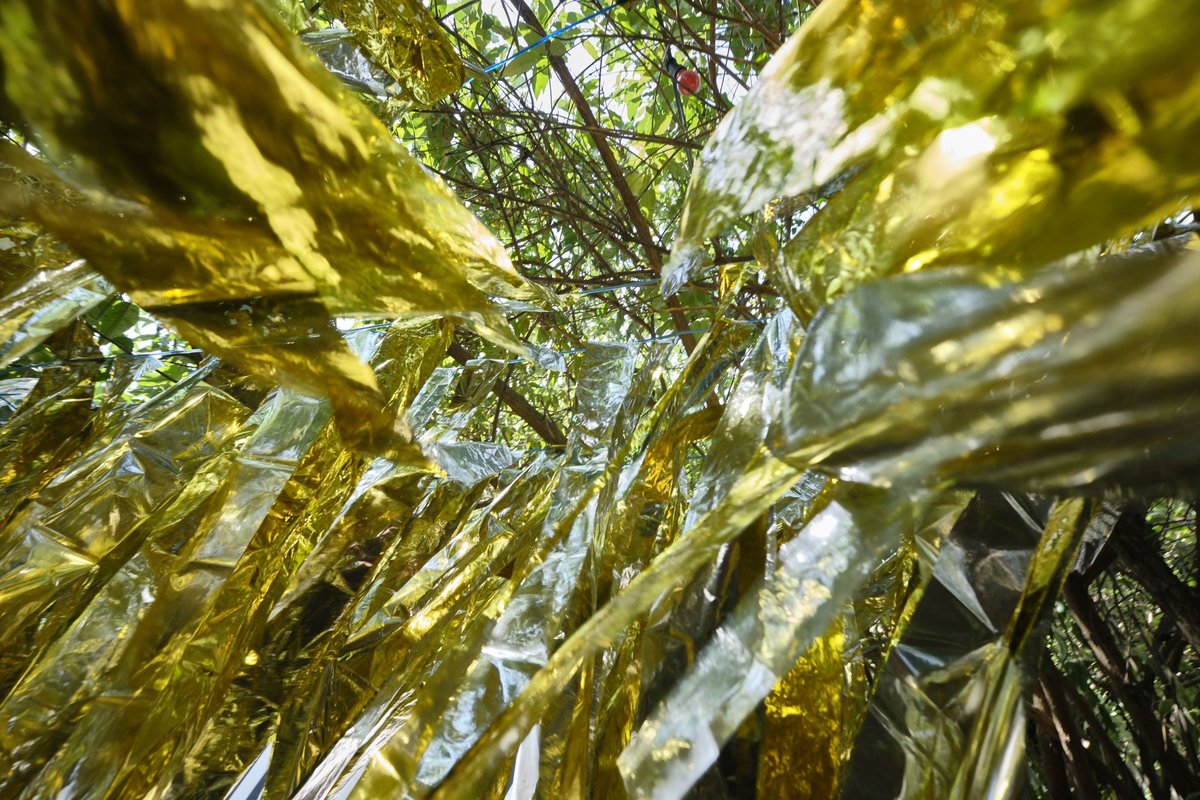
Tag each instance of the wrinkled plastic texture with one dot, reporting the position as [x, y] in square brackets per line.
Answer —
[968, 377]
[405, 40]
[999, 135]
[268, 199]
[949, 716]
[44, 287]
[342, 57]
[820, 548]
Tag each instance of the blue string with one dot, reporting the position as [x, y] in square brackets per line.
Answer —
[554, 35]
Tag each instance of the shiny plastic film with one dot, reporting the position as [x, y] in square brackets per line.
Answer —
[949, 716]
[405, 40]
[1121, 325]
[795, 610]
[982, 128]
[97, 512]
[295, 554]
[342, 56]
[260, 218]
[45, 288]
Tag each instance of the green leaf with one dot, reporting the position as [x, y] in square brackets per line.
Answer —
[117, 318]
[521, 64]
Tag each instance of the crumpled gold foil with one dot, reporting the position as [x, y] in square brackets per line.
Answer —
[971, 377]
[822, 546]
[948, 719]
[103, 526]
[410, 45]
[43, 287]
[972, 134]
[235, 190]
[48, 427]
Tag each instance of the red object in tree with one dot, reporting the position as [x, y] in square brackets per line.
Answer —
[688, 81]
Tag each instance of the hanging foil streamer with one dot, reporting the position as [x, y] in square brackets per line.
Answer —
[405, 40]
[341, 56]
[999, 136]
[812, 548]
[222, 178]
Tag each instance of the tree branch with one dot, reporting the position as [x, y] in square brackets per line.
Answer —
[616, 174]
[541, 424]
